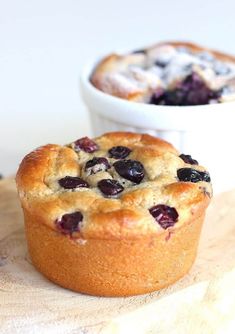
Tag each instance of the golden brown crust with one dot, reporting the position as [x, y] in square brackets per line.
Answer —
[131, 140]
[108, 65]
[116, 233]
[45, 161]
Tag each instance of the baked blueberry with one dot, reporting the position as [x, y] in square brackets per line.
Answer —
[141, 51]
[161, 63]
[192, 175]
[183, 49]
[226, 90]
[97, 164]
[205, 176]
[72, 182]
[85, 144]
[165, 215]
[70, 222]
[119, 152]
[191, 91]
[158, 97]
[110, 187]
[188, 67]
[188, 159]
[221, 68]
[131, 170]
[206, 56]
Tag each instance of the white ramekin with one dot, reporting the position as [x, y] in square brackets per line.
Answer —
[206, 132]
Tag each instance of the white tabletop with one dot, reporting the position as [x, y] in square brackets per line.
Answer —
[44, 45]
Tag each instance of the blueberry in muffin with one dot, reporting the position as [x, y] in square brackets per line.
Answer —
[116, 215]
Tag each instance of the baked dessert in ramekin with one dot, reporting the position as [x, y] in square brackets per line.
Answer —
[199, 129]
[172, 73]
[118, 215]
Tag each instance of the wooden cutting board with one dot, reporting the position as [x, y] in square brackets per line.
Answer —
[202, 302]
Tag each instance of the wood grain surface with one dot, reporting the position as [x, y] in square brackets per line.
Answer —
[202, 302]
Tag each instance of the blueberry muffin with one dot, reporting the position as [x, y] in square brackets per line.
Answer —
[117, 215]
[174, 73]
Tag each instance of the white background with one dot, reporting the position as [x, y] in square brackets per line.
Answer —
[44, 45]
